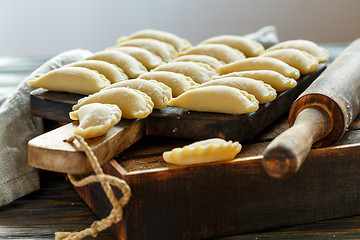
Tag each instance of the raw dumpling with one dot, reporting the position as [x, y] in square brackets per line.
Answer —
[160, 93]
[95, 119]
[210, 150]
[220, 99]
[71, 79]
[133, 103]
[147, 58]
[198, 72]
[221, 52]
[263, 92]
[132, 67]
[178, 83]
[249, 47]
[110, 71]
[298, 59]
[179, 43]
[307, 46]
[164, 50]
[211, 61]
[278, 81]
[261, 63]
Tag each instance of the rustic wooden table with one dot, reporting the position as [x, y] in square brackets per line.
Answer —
[57, 207]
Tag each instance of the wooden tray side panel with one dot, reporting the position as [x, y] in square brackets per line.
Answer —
[237, 197]
[232, 197]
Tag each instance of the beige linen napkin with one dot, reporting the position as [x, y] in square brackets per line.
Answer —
[17, 127]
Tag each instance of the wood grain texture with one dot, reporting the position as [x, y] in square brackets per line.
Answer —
[230, 197]
[285, 154]
[50, 151]
[57, 207]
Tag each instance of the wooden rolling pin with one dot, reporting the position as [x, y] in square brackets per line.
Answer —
[319, 116]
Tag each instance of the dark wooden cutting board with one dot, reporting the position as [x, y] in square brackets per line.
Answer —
[169, 122]
[204, 200]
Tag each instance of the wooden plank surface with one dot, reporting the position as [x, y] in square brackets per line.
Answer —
[57, 207]
[50, 151]
[229, 197]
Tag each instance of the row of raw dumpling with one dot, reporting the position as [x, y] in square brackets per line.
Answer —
[134, 55]
[172, 79]
[200, 65]
[277, 68]
[179, 76]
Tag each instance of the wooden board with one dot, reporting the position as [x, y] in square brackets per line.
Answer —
[170, 121]
[178, 122]
[229, 197]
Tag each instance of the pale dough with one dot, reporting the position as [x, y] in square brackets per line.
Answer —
[198, 72]
[147, 58]
[220, 99]
[180, 44]
[298, 59]
[210, 150]
[221, 52]
[110, 71]
[164, 50]
[211, 61]
[95, 119]
[160, 93]
[263, 92]
[305, 45]
[178, 82]
[71, 79]
[261, 63]
[133, 103]
[132, 67]
[249, 47]
[278, 81]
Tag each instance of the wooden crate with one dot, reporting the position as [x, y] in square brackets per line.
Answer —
[228, 197]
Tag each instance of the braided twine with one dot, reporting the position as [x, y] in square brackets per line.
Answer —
[105, 180]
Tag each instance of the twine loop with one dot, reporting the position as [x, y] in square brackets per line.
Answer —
[106, 181]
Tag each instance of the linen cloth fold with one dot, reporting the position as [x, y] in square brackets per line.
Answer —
[17, 127]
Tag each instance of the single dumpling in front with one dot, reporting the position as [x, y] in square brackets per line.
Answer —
[160, 93]
[133, 103]
[210, 150]
[95, 119]
[219, 99]
[71, 79]
[263, 92]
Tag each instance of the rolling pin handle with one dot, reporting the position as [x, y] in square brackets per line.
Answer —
[285, 154]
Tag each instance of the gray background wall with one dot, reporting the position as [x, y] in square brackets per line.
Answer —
[47, 27]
